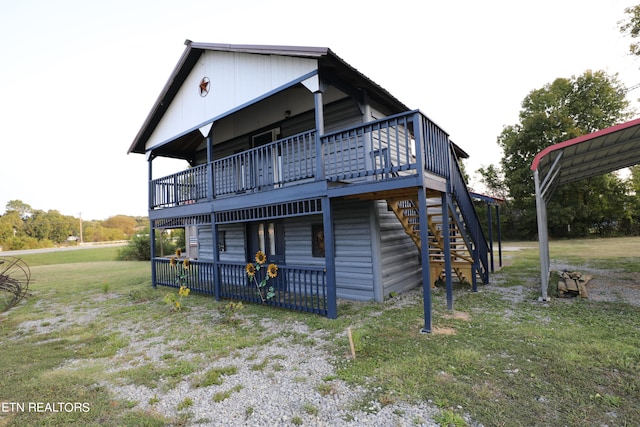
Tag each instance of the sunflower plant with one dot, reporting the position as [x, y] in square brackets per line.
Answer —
[182, 277]
[254, 270]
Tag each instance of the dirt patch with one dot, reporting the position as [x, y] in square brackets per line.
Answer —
[458, 315]
[443, 331]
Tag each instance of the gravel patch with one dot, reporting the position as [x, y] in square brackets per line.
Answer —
[278, 384]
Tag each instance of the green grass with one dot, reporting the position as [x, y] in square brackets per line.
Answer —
[506, 361]
[71, 256]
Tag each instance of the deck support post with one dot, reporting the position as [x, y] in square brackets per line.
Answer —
[490, 232]
[424, 254]
[330, 258]
[446, 237]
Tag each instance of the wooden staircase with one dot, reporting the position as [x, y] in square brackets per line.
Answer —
[406, 210]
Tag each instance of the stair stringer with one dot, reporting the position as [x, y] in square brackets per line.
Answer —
[407, 211]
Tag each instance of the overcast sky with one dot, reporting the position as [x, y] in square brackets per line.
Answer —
[78, 77]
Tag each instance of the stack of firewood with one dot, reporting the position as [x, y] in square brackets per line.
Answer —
[573, 283]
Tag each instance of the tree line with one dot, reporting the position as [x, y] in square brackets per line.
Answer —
[23, 227]
[605, 205]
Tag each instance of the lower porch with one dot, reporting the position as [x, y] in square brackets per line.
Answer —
[295, 288]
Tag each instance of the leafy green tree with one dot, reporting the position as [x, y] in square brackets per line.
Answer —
[559, 111]
[19, 206]
[10, 225]
[38, 225]
[630, 26]
[126, 224]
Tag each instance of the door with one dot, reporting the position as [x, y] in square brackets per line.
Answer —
[268, 160]
[268, 237]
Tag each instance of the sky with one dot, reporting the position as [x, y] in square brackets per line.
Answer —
[78, 77]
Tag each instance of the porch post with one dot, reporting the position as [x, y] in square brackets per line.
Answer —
[490, 230]
[317, 97]
[330, 258]
[152, 223]
[424, 255]
[446, 234]
[152, 237]
[216, 257]
[210, 183]
[499, 236]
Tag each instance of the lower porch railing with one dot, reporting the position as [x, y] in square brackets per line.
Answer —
[295, 288]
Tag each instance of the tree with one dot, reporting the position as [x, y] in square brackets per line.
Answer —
[126, 224]
[631, 27]
[557, 112]
[19, 206]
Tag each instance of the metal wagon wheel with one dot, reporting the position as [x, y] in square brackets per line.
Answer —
[14, 281]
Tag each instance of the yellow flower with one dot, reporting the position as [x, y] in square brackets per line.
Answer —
[177, 303]
[272, 270]
[178, 252]
[261, 258]
[185, 263]
[251, 270]
[173, 261]
[184, 291]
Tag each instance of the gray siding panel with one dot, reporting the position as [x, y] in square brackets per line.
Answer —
[297, 232]
[400, 258]
[234, 243]
[354, 257]
[354, 267]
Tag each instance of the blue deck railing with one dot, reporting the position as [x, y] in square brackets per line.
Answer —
[379, 150]
[296, 288]
[188, 186]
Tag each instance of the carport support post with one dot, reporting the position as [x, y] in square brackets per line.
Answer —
[543, 236]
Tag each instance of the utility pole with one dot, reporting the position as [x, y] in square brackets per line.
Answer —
[81, 241]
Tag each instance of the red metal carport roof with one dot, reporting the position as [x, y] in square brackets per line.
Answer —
[589, 155]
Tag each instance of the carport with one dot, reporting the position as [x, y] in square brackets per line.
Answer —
[597, 153]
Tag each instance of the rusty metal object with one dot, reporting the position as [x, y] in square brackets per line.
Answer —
[14, 281]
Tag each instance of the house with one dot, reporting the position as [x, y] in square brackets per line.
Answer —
[293, 152]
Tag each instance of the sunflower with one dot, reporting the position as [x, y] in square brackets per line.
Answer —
[272, 270]
[178, 252]
[185, 263]
[251, 270]
[172, 261]
[261, 258]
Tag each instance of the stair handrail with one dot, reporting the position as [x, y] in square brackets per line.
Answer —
[465, 205]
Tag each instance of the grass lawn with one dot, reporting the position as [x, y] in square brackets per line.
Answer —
[501, 358]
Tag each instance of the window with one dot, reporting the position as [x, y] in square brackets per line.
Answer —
[222, 241]
[317, 240]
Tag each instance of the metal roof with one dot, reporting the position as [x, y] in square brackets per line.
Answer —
[597, 153]
[329, 63]
[589, 155]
